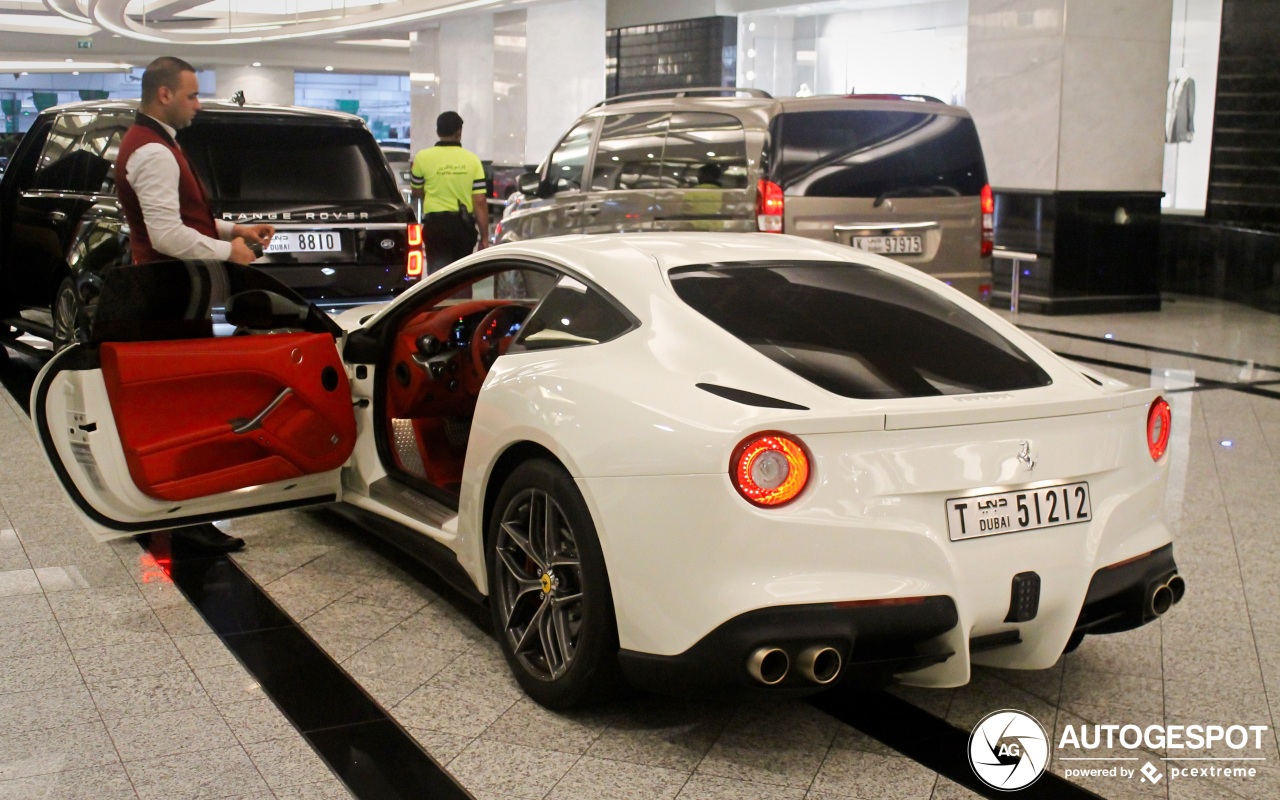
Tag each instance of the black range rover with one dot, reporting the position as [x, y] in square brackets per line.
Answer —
[344, 235]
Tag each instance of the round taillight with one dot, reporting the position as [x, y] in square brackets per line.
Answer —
[1159, 418]
[769, 469]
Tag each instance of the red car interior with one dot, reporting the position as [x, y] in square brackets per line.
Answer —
[435, 403]
[177, 405]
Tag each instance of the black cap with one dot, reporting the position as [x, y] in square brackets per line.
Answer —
[448, 124]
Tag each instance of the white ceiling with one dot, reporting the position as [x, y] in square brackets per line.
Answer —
[350, 35]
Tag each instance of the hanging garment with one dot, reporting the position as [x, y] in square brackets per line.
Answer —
[1180, 109]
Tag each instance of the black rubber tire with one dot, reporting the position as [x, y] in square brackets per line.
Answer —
[66, 315]
[593, 674]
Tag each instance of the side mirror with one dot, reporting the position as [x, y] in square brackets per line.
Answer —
[528, 183]
[260, 309]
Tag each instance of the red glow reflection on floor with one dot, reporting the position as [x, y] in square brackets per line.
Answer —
[155, 569]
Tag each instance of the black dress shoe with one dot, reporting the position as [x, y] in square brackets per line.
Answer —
[204, 539]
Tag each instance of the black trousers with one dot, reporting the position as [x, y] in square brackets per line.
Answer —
[448, 236]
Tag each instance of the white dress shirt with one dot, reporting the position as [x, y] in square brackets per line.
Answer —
[153, 173]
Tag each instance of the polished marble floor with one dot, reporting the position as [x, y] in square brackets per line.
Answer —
[112, 684]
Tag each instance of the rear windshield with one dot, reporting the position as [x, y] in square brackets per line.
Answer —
[857, 331]
[881, 154]
[288, 163]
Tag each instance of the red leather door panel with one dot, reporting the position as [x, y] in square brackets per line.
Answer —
[178, 405]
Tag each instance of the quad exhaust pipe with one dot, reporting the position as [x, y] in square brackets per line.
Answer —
[1162, 597]
[819, 664]
[769, 665]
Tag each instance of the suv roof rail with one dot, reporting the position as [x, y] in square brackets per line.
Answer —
[922, 98]
[702, 90]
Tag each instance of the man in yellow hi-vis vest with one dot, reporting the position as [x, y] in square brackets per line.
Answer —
[450, 182]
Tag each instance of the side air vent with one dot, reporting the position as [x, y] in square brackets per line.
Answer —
[749, 398]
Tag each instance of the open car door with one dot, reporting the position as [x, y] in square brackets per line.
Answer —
[206, 391]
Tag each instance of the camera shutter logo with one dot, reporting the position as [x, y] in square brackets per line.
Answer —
[1008, 750]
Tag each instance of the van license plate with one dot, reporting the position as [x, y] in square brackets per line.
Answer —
[889, 244]
[305, 242]
[1013, 512]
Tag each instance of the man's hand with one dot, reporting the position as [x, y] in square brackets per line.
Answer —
[257, 234]
[240, 252]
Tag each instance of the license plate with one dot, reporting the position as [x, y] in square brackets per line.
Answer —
[1013, 512]
[305, 242]
[889, 244]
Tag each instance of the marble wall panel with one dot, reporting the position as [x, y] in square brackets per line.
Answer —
[1112, 128]
[566, 50]
[1014, 92]
[1015, 19]
[1130, 20]
[466, 72]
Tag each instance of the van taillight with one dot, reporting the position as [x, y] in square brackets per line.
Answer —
[768, 206]
[988, 220]
[414, 257]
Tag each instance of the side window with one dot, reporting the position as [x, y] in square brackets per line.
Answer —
[102, 142]
[567, 162]
[573, 314]
[629, 153]
[63, 166]
[707, 151]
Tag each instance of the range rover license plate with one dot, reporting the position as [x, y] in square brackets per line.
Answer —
[1013, 512]
[889, 245]
[305, 242]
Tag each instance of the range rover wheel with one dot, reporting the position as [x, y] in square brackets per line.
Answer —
[66, 315]
[549, 593]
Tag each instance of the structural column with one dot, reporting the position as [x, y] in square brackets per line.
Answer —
[1069, 99]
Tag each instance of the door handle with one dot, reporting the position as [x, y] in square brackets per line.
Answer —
[591, 208]
[240, 425]
[58, 216]
[572, 208]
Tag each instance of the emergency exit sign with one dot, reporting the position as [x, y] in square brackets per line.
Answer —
[84, 44]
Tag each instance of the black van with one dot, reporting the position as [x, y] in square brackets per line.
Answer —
[344, 234]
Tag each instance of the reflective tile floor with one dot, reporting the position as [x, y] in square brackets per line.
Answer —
[129, 672]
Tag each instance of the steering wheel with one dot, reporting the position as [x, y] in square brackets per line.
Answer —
[493, 336]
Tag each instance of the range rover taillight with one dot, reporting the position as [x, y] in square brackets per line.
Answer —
[768, 206]
[414, 256]
[988, 220]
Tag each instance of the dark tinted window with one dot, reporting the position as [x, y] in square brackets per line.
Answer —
[102, 140]
[862, 153]
[857, 331]
[573, 314]
[564, 172]
[181, 300]
[288, 163]
[64, 165]
[705, 150]
[629, 152]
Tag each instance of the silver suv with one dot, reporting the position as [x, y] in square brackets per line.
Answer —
[892, 174]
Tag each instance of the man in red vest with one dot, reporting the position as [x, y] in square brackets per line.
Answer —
[162, 198]
[165, 205]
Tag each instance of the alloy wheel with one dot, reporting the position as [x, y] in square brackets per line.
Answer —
[539, 579]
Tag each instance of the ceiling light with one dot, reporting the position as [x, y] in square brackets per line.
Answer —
[112, 15]
[68, 60]
[328, 68]
[27, 66]
[256, 64]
